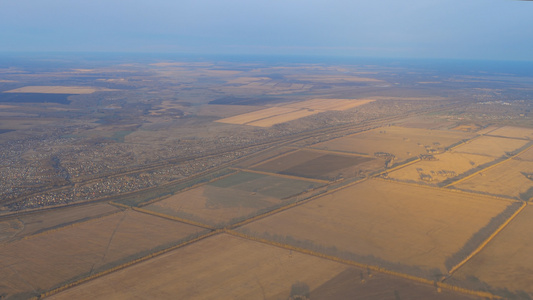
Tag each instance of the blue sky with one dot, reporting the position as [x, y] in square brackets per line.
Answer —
[482, 29]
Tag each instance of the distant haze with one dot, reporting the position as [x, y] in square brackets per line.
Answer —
[465, 29]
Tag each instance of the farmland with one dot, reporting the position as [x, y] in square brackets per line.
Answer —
[55, 90]
[46, 260]
[491, 146]
[403, 143]
[508, 179]
[320, 165]
[513, 132]
[506, 263]
[235, 197]
[441, 167]
[385, 223]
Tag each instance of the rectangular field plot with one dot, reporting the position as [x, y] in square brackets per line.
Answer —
[231, 198]
[491, 146]
[320, 165]
[513, 178]
[514, 132]
[407, 228]
[506, 262]
[44, 261]
[329, 104]
[38, 222]
[257, 115]
[293, 115]
[527, 155]
[403, 143]
[229, 267]
[444, 166]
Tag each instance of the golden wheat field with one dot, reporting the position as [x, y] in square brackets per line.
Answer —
[491, 146]
[379, 221]
[329, 104]
[257, 115]
[219, 267]
[294, 115]
[507, 179]
[446, 165]
[506, 262]
[403, 143]
[527, 155]
[43, 261]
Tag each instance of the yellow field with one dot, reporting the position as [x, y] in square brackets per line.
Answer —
[294, 115]
[293, 111]
[514, 132]
[446, 165]
[392, 222]
[402, 142]
[491, 146]
[219, 267]
[56, 90]
[329, 104]
[224, 111]
[506, 262]
[257, 115]
[507, 179]
[487, 130]
[43, 261]
[527, 155]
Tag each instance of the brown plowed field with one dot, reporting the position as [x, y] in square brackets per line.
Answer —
[392, 222]
[36, 264]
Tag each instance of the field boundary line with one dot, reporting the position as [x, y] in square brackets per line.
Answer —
[334, 152]
[364, 266]
[507, 137]
[463, 142]
[488, 240]
[282, 175]
[487, 168]
[453, 190]
[116, 204]
[125, 265]
[71, 225]
[398, 167]
[173, 218]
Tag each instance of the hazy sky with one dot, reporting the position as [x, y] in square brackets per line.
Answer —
[486, 29]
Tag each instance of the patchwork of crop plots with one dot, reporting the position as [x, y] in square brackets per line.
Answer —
[235, 197]
[43, 261]
[403, 143]
[513, 178]
[506, 262]
[491, 146]
[319, 164]
[380, 222]
[221, 266]
[440, 167]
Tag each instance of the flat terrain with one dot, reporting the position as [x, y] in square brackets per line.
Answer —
[491, 146]
[506, 262]
[55, 90]
[380, 222]
[35, 223]
[321, 165]
[329, 104]
[219, 267]
[514, 132]
[403, 143]
[44, 261]
[527, 155]
[446, 165]
[507, 179]
[231, 198]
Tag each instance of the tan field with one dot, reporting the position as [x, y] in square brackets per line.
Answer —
[225, 111]
[294, 115]
[491, 146]
[446, 165]
[506, 262]
[329, 104]
[506, 179]
[527, 155]
[257, 115]
[207, 204]
[514, 132]
[384, 222]
[39, 222]
[487, 130]
[332, 78]
[219, 267]
[56, 90]
[403, 143]
[43, 261]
